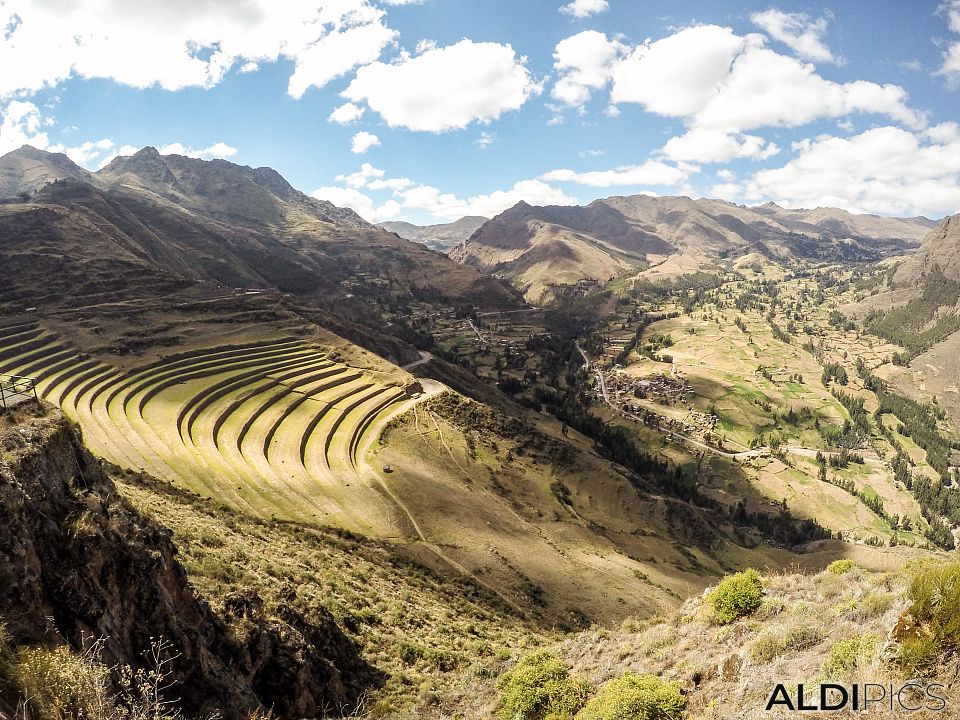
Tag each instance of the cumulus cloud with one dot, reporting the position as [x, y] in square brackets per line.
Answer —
[883, 170]
[20, 124]
[765, 89]
[184, 43]
[951, 57]
[583, 63]
[447, 206]
[365, 174]
[363, 141]
[711, 146]
[713, 78]
[652, 172]
[95, 154]
[728, 191]
[406, 194]
[85, 152]
[336, 54]
[584, 8]
[362, 204]
[346, 114]
[445, 88]
[216, 151]
[677, 75]
[797, 31]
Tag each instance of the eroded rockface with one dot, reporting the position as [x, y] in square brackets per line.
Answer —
[78, 562]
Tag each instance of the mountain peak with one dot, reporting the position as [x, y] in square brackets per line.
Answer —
[28, 168]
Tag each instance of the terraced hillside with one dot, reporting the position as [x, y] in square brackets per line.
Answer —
[276, 428]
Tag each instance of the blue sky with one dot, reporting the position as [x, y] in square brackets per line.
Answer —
[445, 107]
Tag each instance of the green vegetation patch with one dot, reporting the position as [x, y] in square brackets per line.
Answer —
[840, 567]
[931, 627]
[541, 686]
[737, 596]
[636, 697]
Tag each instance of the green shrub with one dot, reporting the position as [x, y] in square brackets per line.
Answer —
[845, 656]
[636, 697]
[539, 687]
[935, 609]
[59, 685]
[840, 567]
[736, 596]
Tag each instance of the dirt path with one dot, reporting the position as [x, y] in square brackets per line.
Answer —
[373, 477]
[583, 354]
[425, 357]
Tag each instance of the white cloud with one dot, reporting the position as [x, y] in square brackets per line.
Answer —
[583, 62]
[365, 174]
[183, 43]
[362, 204]
[346, 114]
[951, 57]
[446, 206]
[678, 75]
[84, 152]
[445, 88]
[217, 150]
[884, 170]
[585, 8]
[363, 141]
[20, 124]
[652, 172]
[767, 89]
[122, 151]
[728, 191]
[710, 146]
[951, 65]
[337, 54]
[485, 140]
[715, 79]
[390, 184]
[725, 174]
[797, 31]
[439, 205]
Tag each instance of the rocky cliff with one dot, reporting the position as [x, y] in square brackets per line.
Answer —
[78, 562]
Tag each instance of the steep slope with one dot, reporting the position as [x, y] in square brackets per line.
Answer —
[535, 247]
[191, 221]
[78, 562]
[441, 237]
[940, 247]
[538, 247]
[844, 224]
[28, 169]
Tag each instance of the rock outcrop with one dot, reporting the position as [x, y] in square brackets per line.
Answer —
[78, 562]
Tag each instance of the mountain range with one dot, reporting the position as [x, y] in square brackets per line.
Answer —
[441, 237]
[663, 237]
[75, 237]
